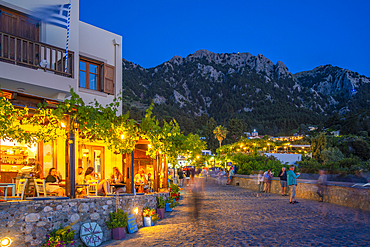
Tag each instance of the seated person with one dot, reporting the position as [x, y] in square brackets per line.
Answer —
[117, 177]
[80, 179]
[52, 178]
[150, 182]
[103, 186]
[141, 180]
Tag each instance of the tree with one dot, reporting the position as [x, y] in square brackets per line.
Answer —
[318, 144]
[220, 133]
[236, 129]
[331, 155]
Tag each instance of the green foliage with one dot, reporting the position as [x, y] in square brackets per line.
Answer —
[155, 217]
[175, 188]
[160, 202]
[220, 133]
[331, 155]
[173, 203]
[309, 165]
[318, 144]
[118, 219]
[60, 237]
[248, 163]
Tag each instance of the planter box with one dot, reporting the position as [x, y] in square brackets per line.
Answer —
[168, 208]
[147, 221]
[160, 212]
[118, 233]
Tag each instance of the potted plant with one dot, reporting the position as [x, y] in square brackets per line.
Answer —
[175, 192]
[161, 204]
[118, 222]
[147, 214]
[155, 218]
[170, 204]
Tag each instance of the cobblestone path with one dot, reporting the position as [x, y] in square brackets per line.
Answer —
[215, 215]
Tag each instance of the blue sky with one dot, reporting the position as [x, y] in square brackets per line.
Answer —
[301, 34]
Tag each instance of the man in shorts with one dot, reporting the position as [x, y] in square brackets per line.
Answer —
[283, 181]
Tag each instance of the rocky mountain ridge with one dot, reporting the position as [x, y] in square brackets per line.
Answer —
[243, 86]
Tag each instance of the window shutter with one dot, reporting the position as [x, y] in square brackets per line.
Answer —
[108, 79]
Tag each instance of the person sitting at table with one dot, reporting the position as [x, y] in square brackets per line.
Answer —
[51, 180]
[117, 177]
[140, 180]
[80, 180]
[103, 186]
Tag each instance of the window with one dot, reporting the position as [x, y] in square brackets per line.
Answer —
[90, 74]
[97, 76]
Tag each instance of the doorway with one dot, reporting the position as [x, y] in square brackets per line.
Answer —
[92, 156]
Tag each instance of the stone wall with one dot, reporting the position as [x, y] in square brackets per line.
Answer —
[340, 194]
[28, 222]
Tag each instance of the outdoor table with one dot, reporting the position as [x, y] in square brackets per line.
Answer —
[118, 185]
[6, 186]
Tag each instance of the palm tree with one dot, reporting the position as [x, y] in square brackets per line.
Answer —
[220, 133]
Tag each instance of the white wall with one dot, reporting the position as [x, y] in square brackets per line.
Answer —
[97, 44]
[290, 158]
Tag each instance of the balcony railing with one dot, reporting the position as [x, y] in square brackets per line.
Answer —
[27, 53]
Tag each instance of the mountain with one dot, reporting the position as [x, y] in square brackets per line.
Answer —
[252, 89]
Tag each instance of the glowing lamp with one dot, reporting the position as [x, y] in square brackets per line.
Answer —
[149, 146]
[197, 156]
[62, 124]
[5, 242]
[122, 136]
[136, 210]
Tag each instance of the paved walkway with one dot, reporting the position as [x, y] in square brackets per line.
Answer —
[215, 215]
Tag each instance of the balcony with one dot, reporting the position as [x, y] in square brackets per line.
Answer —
[30, 54]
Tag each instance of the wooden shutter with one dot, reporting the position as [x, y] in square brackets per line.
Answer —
[108, 84]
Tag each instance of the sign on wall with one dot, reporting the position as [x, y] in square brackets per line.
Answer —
[91, 234]
[131, 224]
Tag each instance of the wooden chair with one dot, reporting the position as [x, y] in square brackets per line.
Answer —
[21, 187]
[40, 187]
[93, 187]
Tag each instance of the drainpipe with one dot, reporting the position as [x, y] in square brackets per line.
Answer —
[115, 64]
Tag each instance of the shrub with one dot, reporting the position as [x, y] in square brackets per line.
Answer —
[160, 202]
[60, 237]
[117, 219]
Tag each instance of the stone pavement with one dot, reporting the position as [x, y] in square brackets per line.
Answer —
[220, 215]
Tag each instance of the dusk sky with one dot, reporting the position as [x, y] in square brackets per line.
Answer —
[301, 34]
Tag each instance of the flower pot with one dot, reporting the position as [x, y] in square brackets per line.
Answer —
[160, 212]
[168, 208]
[118, 233]
[147, 221]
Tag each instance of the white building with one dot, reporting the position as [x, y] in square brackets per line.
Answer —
[32, 58]
[94, 68]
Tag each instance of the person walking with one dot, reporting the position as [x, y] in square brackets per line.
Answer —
[283, 181]
[321, 185]
[187, 173]
[292, 183]
[267, 180]
[181, 177]
[260, 181]
[192, 174]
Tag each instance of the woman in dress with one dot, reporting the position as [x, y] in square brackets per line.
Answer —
[103, 186]
[117, 177]
[51, 180]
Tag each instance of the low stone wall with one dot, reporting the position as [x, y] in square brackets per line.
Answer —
[341, 194]
[28, 222]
